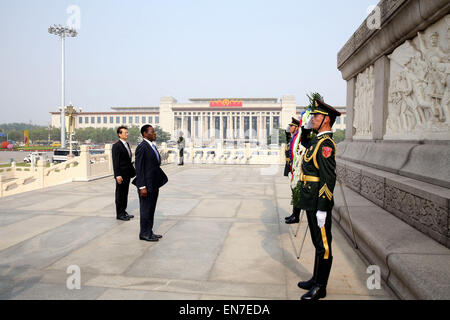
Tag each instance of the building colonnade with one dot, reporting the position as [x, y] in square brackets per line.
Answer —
[225, 125]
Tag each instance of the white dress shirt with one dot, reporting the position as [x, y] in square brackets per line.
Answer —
[126, 147]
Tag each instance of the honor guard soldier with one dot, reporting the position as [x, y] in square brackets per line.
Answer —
[318, 178]
[293, 145]
[287, 166]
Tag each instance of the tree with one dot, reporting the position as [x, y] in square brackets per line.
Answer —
[15, 135]
[18, 126]
[134, 134]
[339, 136]
[161, 135]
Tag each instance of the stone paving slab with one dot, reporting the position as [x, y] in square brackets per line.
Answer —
[188, 252]
[250, 254]
[44, 291]
[118, 294]
[224, 238]
[28, 228]
[46, 248]
[230, 289]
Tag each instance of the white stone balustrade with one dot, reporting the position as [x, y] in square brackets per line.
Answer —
[87, 167]
[82, 168]
[221, 155]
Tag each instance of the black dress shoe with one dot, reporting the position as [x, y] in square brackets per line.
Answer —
[152, 238]
[315, 293]
[293, 220]
[123, 218]
[307, 285]
[157, 236]
[130, 216]
[287, 218]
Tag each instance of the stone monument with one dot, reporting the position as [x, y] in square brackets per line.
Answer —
[397, 147]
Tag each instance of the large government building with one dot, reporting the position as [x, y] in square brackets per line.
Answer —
[204, 118]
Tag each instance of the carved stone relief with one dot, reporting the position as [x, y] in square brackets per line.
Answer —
[422, 211]
[419, 91]
[341, 173]
[364, 103]
[372, 189]
[353, 179]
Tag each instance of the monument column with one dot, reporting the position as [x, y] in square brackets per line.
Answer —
[271, 124]
[260, 132]
[221, 126]
[192, 132]
[350, 106]
[241, 127]
[230, 126]
[380, 110]
[175, 123]
[201, 126]
[182, 123]
[213, 125]
[250, 124]
[209, 128]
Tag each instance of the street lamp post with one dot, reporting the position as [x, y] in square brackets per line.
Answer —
[62, 32]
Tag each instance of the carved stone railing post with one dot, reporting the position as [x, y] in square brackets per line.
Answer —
[163, 147]
[219, 152]
[40, 172]
[108, 154]
[191, 152]
[85, 166]
[1, 186]
[247, 153]
[13, 168]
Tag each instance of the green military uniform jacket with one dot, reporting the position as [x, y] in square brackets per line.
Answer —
[287, 166]
[318, 177]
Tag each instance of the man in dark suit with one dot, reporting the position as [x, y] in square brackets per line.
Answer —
[123, 172]
[149, 178]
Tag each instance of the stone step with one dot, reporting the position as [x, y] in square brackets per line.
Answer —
[412, 264]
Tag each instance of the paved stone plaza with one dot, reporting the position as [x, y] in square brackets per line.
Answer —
[224, 238]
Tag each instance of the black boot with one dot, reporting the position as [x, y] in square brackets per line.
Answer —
[287, 218]
[323, 271]
[308, 285]
[295, 217]
[295, 213]
[319, 290]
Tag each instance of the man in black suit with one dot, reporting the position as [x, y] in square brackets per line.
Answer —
[123, 172]
[149, 178]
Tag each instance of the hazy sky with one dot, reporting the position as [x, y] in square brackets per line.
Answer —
[131, 53]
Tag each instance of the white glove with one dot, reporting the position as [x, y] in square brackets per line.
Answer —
[309, 122]
[321, 217]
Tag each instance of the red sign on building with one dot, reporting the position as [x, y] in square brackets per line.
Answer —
[225, 103]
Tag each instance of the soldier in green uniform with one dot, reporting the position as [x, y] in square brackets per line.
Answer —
[291, 153]
[287, 166]
[318, 178]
